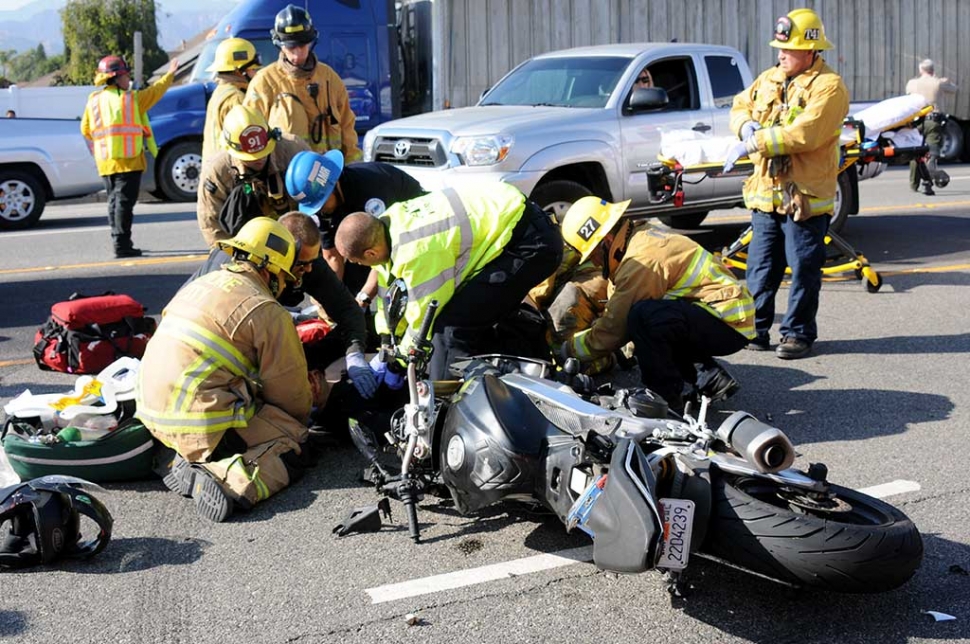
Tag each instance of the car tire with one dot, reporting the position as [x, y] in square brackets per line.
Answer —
[843, 202]
[951, 149]
[22, 200]
[555, 197]
[683, 222]
[179, 170]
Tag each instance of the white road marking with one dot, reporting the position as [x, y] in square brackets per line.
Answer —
[538, 563]
[891, 488]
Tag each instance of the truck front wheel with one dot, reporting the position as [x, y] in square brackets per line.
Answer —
[22, 200]
[555, 197]
[179, 169]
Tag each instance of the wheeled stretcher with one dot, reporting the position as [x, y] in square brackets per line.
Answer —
[883, 133]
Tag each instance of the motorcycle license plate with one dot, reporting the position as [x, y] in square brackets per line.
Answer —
[678, 516]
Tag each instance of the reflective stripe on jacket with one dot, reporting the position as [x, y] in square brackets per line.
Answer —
[116, 124]
[441, 239]
[224, 347]
[800, 128]
[227, 95]
[281, 92]
[658, 266]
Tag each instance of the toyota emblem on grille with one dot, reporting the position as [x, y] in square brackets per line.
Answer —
[402, 148]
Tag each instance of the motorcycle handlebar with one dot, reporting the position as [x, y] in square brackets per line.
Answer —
[411, 508]
[427, 321]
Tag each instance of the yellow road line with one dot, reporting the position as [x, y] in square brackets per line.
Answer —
[15, 363]
[148, 261]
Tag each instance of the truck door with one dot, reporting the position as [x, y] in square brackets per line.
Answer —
[726, 80]
[640, 133]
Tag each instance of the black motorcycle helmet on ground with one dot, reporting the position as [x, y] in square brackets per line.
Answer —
[45, 520]
[293, 27]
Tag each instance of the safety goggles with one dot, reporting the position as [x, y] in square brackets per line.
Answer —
[300, 266]
[783, 29]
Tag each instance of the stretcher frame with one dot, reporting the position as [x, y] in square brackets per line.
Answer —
[665, 181]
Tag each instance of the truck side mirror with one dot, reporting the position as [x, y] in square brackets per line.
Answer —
[644, 99]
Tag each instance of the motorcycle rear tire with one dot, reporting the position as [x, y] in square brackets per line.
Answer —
[867, 548]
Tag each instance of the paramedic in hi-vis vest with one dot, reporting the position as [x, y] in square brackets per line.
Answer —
[673, 299]
[789, 122]
[224, 382]
[115, 123]
[235, 63]
[301, 95]
[476, 250]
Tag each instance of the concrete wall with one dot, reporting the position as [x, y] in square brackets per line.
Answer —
[878, 42]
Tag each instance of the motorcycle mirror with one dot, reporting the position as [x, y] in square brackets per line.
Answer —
[363, 440]
[395, 303]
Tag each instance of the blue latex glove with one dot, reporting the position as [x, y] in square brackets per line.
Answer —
[748, 129]
[378, 367]
[361, 375]
[394, 381]
[738, 151]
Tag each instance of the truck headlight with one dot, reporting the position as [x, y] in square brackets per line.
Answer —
[482, 150]
[369, 138]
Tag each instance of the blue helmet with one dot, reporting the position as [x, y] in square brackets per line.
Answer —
[311, 177]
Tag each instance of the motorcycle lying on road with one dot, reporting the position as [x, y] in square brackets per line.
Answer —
[651, 488]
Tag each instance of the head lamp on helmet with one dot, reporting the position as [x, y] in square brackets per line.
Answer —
[312, 177]
[589, 221]
[246, 135]
[234, 55]
[44, 517]
[293, 27]
[266, 243]
[801, 29]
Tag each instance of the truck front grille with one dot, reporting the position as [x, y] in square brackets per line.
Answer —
[428, 153]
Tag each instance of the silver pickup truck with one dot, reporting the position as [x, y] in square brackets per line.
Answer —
[568, 124]
[41, 160]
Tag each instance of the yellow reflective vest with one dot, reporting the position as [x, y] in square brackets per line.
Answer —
[224, 347]
[324, 121]
[661, 266]
[116, 124]
[440, 240]
[801, 124]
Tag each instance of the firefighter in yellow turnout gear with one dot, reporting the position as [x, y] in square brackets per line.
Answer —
[301, 95]
[118, 131]
[236, 61]
[673, 299]
[224, 381]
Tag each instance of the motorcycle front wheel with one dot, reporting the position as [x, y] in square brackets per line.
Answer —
[848, 542]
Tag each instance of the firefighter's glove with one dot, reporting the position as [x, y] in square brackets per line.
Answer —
[736, 152]
[748, 129]
[361, 375]
[562, 354]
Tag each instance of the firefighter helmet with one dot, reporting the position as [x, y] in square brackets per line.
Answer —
[589, 221]
[293, 27]
[110, 67]
[246, 135]
[267, 244]
[234, 55]
[801, 29]
[311, 178]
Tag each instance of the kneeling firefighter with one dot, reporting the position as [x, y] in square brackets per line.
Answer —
[224, 381]
[674, 300]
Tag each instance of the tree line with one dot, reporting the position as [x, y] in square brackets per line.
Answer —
[92, 29]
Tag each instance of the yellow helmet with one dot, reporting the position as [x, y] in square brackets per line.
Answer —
[234, 55]
[268, 245]
[801, 29]
[588, 221]
[246, 135]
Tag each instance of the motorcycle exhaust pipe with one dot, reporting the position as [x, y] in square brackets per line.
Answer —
[763, 446]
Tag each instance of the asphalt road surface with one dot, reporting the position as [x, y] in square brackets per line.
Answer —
[883, 402]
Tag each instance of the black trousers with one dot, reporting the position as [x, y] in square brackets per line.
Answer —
[122, 191]
[670, 336]
[465, 324]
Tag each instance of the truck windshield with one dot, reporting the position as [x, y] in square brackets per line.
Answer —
[264, 46]
[564, 82]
